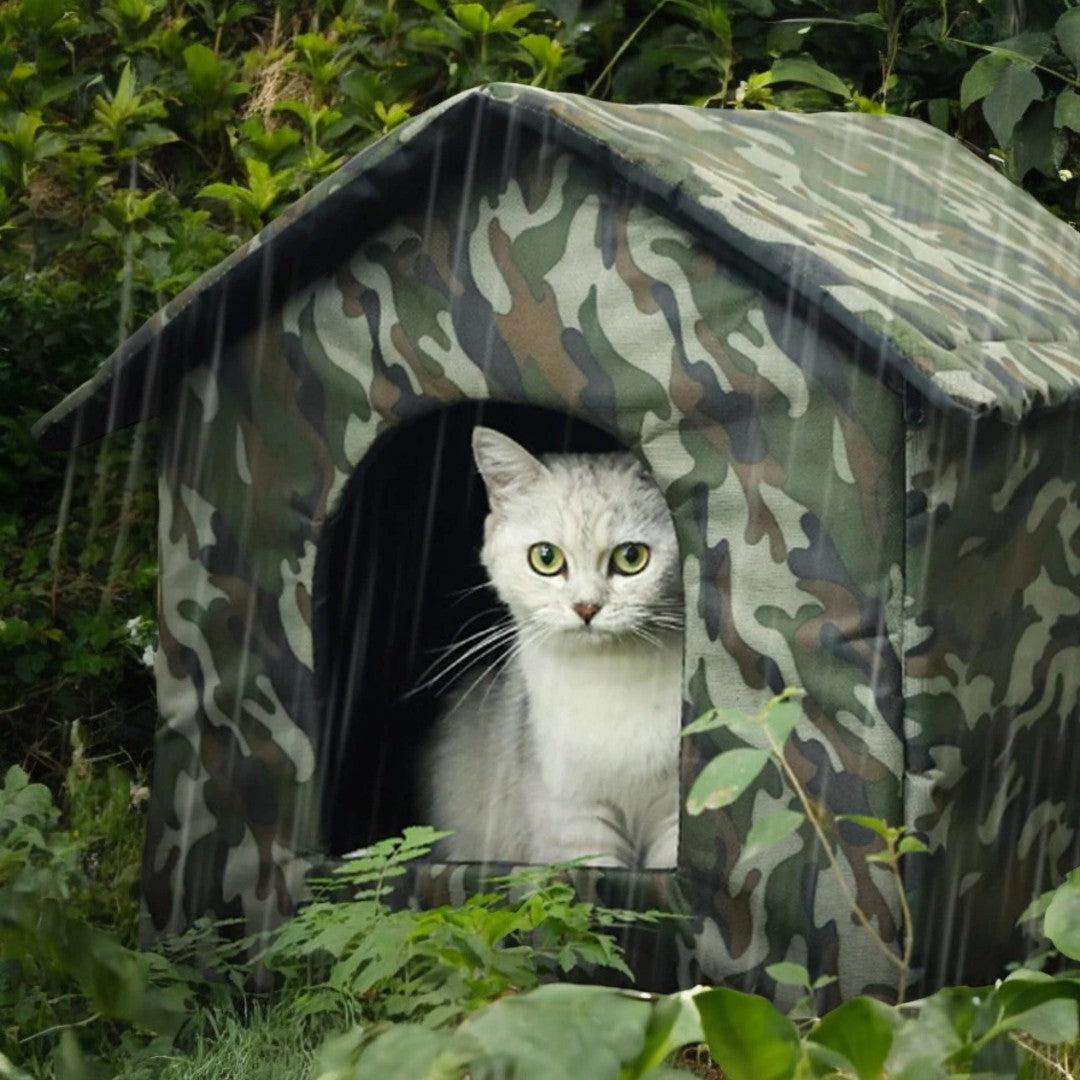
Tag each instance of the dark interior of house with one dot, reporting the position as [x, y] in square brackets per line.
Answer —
[398, 581]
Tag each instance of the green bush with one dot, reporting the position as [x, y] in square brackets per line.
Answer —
[60, 971]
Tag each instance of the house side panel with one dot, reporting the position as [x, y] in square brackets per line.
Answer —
[790, 498]
[234, 771]
[992, 679]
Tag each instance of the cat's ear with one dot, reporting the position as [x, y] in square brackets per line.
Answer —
[507, 467]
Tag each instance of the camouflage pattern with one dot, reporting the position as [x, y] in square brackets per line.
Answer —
[912, 244]
[992, 644]
[825, 335]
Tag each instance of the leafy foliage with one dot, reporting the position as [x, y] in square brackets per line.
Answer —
[363, 990]
[346, 958]
[348, 946]
[56, 967]
[552, 1032]
[563, 1030]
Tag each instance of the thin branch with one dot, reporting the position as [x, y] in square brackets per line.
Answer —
[609, 67]
[63, 1027]
[852, 902]
[997, 49]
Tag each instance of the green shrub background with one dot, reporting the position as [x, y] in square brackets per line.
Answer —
[142, 140]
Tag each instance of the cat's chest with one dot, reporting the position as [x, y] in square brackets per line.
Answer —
[605, 712]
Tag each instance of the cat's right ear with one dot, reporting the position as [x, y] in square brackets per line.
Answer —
[506, 466]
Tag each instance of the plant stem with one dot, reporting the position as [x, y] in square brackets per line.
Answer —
[1045, 1059]
[863, 918]
[905, 915]
[892, 48]
[609, 66]
[990, 49]
[84, 1022]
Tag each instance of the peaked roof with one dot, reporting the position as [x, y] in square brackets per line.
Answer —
[960, 280]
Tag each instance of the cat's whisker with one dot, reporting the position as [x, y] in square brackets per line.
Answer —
[491, 673]
[479, 649]
[486, 613]
[457, 595]
[519, 638]
[463, 653]
[527, 635]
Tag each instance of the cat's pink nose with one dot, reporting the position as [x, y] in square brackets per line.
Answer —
[587, 611]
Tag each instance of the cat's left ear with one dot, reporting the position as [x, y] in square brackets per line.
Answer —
[506, 466]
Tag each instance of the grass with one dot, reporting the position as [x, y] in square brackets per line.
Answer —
[223, 1045]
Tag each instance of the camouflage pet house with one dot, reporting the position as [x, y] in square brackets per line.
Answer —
[849, 352]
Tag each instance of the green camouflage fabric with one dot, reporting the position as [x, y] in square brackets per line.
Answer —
[992, 661]
[840, 347]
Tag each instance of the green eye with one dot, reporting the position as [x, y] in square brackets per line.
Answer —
[629, 559]
[546, 559]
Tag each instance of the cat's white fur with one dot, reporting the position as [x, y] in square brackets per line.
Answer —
[569, 747]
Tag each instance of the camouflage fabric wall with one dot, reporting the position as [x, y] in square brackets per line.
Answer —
[991, 679]
[779, 451]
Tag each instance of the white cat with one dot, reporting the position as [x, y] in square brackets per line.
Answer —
[568, 745]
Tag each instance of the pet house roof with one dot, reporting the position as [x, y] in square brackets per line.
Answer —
[961, 282]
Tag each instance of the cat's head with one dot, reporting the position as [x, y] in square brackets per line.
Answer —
[578, 543]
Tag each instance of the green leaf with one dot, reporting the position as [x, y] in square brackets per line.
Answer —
[390, 118]
[509, 16]
[786, 36]
[981, 78]
[472, 17]
[1016, 88]
[43, 13]
[781, 718]
[940, 1028]
[124, 96]
[1067, 32]
[875, 825]
[862, 1030]
[204, 69]
[1037, 144]
[767, 831]
[152, 135]
[14, 631]
[802, 69]
[543, 50]
[749, 1037]
[315, 47]
[909, 845]
[713, 719]
[1031, 45]
[675, 1022]
[1067, 108]
[1061, 923]
[404, 1050]
[939, 112]
[725, 778]
[562, 1030]
[1037, 1004]
[1053, 1022]
[789, 974]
